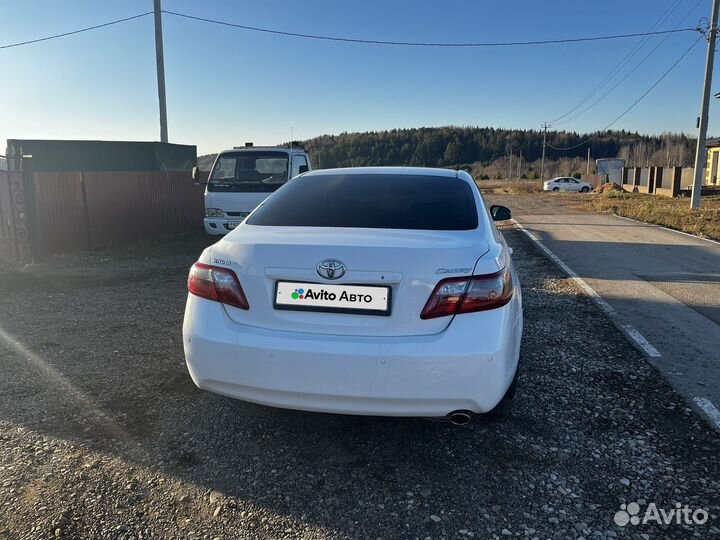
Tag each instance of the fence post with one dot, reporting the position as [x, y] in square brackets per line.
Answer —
[676, 181]
[652, 174]
[86, 210]
[31, 219]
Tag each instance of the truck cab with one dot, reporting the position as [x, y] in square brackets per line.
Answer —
[241, 178]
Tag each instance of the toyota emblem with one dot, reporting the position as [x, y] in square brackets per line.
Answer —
[331, 269]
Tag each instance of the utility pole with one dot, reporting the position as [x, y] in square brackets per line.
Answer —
[542, 163]
[509, 176]
[160, 61]
[701, 152]
[588, 163]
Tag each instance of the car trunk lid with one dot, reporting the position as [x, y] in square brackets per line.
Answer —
[408, 262]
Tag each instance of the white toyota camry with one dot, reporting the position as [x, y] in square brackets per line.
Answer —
[373, 291]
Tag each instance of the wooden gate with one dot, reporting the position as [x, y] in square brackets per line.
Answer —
[14, 236]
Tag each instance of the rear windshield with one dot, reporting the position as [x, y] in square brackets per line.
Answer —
[249, 172]
[371, 201]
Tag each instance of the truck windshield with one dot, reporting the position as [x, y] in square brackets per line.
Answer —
[249, 172]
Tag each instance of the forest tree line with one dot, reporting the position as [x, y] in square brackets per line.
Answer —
[458, 146]
[494, 150]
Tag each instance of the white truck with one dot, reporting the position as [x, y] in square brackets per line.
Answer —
[242, 178]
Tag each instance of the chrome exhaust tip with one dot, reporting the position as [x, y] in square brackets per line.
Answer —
[460, 418]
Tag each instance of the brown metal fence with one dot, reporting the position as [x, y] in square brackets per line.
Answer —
[125, 206]
[69, 211]
[57, 221]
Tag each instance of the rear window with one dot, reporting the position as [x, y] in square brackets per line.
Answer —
[371, 201]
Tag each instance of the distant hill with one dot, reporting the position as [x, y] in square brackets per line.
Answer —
[457, 146]
[205, 162]
[467, 146]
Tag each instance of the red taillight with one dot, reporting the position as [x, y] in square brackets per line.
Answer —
[445, 298]
[217, 284]
[468, 294]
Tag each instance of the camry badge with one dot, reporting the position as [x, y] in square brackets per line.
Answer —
[331, 269]
[453, 270]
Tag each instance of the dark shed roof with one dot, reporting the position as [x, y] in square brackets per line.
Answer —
[53, 155]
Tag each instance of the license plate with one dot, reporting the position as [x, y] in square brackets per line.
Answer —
[358, 299]
[233, 224]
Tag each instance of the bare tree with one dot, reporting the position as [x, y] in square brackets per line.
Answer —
[626, 154]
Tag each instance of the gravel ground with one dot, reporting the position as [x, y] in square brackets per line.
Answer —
[542, 203]
[103, 435]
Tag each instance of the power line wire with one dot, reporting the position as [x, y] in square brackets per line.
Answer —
[427, 44]
[627, 75]
[668, 11]
[103, 25]
[636, 102]
[354, 40]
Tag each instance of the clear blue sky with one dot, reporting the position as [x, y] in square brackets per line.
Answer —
[227, 86]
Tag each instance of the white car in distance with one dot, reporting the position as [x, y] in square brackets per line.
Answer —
[370, 291]
[567, 183]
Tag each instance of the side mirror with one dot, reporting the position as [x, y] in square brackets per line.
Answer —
[500, 213]
[303, 169]
[197, 176]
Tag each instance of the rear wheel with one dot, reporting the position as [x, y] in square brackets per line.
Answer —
[503, 409]
[585, 189]
[556, 189]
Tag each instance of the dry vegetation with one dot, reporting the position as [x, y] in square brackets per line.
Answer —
[510, 186]
[529, 170]
[672, 213]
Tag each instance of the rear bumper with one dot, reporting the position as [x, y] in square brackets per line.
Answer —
[219, 225]
[468, 366]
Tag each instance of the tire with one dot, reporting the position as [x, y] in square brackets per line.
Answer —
[556, 189]
[585, 189]
[503, 410]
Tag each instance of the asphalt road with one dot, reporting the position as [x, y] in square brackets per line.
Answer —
[664, 284]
